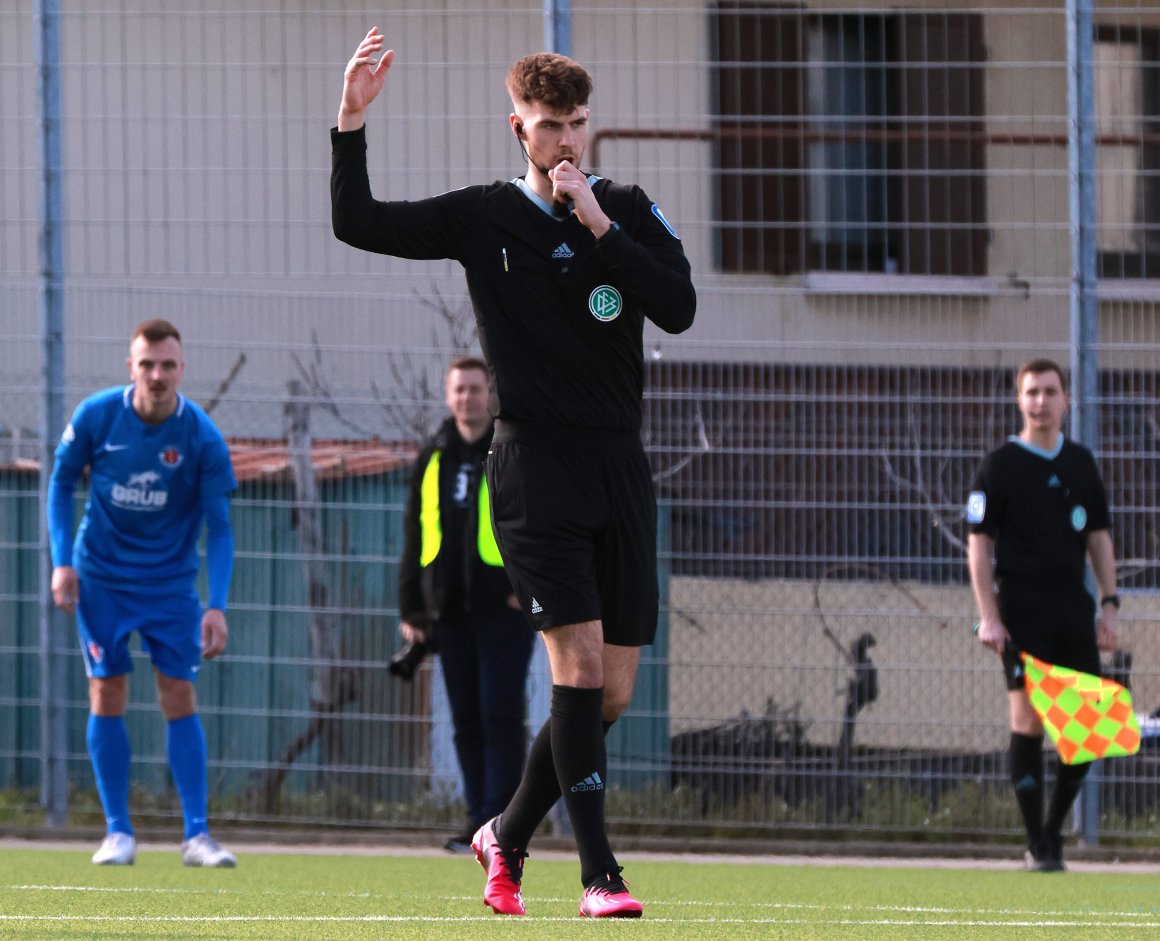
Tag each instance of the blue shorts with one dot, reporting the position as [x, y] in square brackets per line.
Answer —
[169, 625]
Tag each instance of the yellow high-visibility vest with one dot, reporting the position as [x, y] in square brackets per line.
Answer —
[431, 521]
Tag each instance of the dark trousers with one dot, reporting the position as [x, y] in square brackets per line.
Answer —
[485, 668]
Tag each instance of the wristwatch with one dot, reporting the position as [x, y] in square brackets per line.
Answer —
[1113, 600]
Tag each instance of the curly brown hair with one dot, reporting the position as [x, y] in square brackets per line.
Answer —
[554, 80]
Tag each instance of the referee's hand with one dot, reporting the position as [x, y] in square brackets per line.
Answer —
[1107, 635]
[992, 634]
[363, 80]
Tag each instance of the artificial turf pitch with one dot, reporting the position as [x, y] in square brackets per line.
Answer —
[53, 893]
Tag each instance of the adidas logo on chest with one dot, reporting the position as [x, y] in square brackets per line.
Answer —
[562, 251]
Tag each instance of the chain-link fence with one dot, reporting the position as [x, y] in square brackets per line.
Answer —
[876, 205]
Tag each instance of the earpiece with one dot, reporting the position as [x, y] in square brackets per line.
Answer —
[519, 129]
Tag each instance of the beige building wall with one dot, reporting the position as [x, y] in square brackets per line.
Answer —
[196, 153]
[737, 645]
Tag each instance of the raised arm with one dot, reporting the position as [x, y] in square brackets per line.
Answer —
[363, 80]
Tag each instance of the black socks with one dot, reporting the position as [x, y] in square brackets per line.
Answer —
[581, 768]
[538, 791]
[1027, 778]
[1068, 781]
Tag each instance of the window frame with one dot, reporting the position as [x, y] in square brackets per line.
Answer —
[936, 203]
[1144, 264]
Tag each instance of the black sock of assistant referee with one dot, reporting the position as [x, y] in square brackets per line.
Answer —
[581, 767]
[1027, 777]
[1068, 781]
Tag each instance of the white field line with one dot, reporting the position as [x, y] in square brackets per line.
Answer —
[1034, 916]
[534, 920]
[1014, 862]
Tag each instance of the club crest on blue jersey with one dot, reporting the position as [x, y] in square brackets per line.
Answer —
[171, 457]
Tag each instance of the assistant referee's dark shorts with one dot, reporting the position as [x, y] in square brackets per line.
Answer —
[574, 513]
[1056, 624]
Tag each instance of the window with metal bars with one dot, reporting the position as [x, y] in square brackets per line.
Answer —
[849, 142]
[1126, 72]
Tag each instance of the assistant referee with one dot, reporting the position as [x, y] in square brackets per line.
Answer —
[1038, 512]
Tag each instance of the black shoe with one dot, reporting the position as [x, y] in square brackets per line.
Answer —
[460, 843]
[1045, 855]
[1051, 854]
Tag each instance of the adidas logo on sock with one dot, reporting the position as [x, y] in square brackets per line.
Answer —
[562, 251]
[536, 608]
[590, 783]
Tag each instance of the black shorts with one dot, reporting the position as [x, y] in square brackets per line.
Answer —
[1056, 626]
[574, 514]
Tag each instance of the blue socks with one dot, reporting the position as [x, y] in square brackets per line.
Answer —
[108, 743]
[185, 744]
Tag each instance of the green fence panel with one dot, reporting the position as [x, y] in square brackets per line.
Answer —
[639, 743]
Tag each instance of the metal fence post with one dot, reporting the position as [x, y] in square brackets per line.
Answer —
[558, 26]
[53, 729]
[1083, 297]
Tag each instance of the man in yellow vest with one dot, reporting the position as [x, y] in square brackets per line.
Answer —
[455, 596]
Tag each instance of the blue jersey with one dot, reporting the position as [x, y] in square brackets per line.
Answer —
[148, 489]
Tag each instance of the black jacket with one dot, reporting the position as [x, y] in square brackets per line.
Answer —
[457, 582]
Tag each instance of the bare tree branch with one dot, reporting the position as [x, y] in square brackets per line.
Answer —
[317, 386]
[224, 386]
[937, 519]
[704, 446]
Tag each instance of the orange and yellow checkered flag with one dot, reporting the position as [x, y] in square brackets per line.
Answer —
[1087, 717]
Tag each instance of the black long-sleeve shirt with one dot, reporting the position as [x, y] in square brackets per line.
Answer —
[560, 313]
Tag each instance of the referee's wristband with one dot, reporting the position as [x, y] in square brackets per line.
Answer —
[1112, 599]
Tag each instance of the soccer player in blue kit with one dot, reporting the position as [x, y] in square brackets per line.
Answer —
[158, 469]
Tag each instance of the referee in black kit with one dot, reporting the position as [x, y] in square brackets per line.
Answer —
[563, 268]
[1037, 504]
